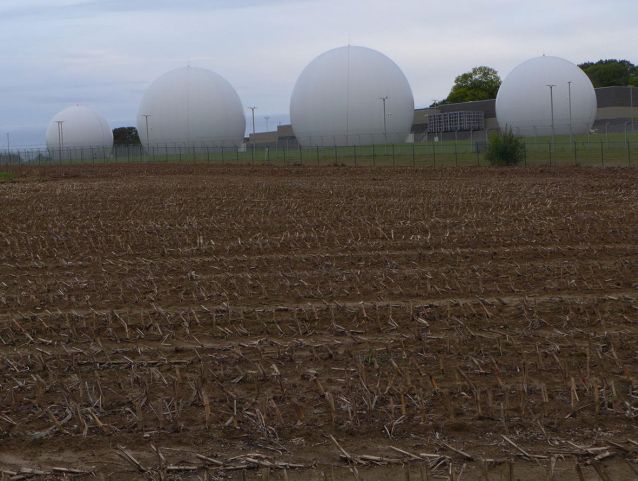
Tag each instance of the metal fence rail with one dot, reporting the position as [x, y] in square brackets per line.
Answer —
[425, 154]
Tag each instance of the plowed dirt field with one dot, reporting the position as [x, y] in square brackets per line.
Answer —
[194, 322]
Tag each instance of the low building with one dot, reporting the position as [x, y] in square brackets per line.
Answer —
[283, 137]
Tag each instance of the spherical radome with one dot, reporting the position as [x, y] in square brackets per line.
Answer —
[338, 100]
[524, 101]
[191, 107]
[79, 132]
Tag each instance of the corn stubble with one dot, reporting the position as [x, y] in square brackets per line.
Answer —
[192, 322]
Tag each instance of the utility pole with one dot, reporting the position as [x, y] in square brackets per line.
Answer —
[253, 111]
[385, 118]
[148, 138]
[551, 100]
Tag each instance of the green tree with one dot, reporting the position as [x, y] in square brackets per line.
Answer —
[126, 136]
[611, 73]
[480, 83]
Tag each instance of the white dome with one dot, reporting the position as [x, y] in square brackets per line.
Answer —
[79, 132]
[191, 107]
[338, 100]
[523, 102]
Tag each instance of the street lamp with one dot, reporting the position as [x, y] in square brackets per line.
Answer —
[148, 138]
[60, 136]
[551, 100]
[385, 119]
[432, 124]
[631, 103]
[253, 111]
[571, 128]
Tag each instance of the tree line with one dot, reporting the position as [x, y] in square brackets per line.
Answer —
[482, 83]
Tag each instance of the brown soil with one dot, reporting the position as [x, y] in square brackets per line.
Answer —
[342, 323]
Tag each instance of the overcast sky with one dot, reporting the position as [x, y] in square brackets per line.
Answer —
[104, 53]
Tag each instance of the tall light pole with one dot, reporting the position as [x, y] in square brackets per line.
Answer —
[148, 138]
[631, 103]
[60, 136]
[267, 118]
[385, 118]
[253, 111]
[571, 128]
[551, 101]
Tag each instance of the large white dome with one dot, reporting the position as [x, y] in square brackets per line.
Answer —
[524, 100]
[338, 100]
[191, 107]
[77, 132]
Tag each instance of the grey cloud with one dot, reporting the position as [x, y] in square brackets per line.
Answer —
[92, 7]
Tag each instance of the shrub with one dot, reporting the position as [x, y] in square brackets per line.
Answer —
[6, 177]
[505, 148]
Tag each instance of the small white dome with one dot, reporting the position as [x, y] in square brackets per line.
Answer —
[78, 130]
[338, 100]
[524, 101]
[191, 107]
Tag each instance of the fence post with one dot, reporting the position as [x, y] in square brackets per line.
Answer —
[355, 155]
[628, 153]
[317, 156]
[394, 159]
[335, 151]
[602, 154]
[223, 161]
[300, 155]
[413, 155]
[456, 155]
[373, 155]
[434, 155]
[549, 144]
[575, 153]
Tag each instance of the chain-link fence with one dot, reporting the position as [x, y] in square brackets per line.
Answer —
[600, 150]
